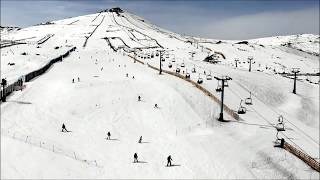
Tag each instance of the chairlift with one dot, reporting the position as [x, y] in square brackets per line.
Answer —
[200, 80]
[188, 75]
[178, 70]
[242, 110]
[248, 101]
[226, 83]
[193, 69]
[280, 125]
[219, 87]
[209, 77]
[170, 65]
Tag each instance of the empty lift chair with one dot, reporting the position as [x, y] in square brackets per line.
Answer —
[194, 69]
[280, 125]
[219, 87]
[209, 77]
[226, 83]
[242, 109]
[248, 101]
[183, 65]
[200, 80]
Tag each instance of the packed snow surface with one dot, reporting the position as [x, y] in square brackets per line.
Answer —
[185, 126]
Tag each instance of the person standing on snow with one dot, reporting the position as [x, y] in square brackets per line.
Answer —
[139, 98]
[135, 158]
[78, 79]
[64, 129]
[169, 159]
[109, 135]
[140, 140]
[72, 80]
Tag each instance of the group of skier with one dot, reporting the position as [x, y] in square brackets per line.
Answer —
[73, 80]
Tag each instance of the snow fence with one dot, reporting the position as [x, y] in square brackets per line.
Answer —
[28, 77]
[49, 146]
[303, 156]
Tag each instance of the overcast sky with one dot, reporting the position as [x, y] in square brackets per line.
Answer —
[220, 19]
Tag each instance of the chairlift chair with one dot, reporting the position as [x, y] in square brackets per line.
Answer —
[248, 101]
[188, 75]
[226, 83]
[242, 110]
[170, 65]
[209, 77]
[200, 80]
[280, 125]
[193, 69]
[219, 87]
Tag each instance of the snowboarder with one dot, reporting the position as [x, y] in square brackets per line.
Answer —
[139, 98]
[155, 105]
[109, 135]
[169, 159]
[140, 140]
[64, 129]
[78, 79]
[135, 158]
[72, 80]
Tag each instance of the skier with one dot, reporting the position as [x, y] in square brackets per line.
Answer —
[135, 158]
[139, 98]
[132, 77]
[155, 105]
[127, 74]
[101, 68]
[78, 79]
[109, 135]
[72, 80]
[64, 129]
[140, 140]
[169, 160]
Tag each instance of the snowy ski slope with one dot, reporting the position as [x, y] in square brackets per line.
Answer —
[184, 126]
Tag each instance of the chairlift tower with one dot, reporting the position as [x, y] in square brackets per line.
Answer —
[161, 56]
[236, 60]
[222, 79]
[4, 84]
[295, 71]
[250, 59]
